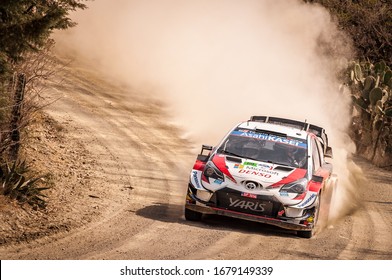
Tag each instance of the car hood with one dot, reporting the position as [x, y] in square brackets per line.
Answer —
[267, 175]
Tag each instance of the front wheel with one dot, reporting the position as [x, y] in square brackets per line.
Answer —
[191, 215]
[305, 234]
[310, 233]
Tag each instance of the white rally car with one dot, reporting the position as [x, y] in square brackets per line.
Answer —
[268, 169]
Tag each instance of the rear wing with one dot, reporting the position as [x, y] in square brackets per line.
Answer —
[317, 130]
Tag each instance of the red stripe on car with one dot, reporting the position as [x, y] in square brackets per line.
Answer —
[220, 162]
[199, 165]
[293, 176]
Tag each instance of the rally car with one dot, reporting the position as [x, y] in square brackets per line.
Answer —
[267, 169]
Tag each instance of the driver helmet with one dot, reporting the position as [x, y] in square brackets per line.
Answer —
[251, 148]
[234, 144]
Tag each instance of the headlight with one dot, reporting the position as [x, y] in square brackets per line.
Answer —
[298, 186]
[211, 171]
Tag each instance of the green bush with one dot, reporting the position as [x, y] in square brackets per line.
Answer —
[16, 184]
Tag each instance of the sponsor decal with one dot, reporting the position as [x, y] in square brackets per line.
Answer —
[245, 164]
[253, 172]
[250, 163]
[307, 200]
[239, 166]
[247, 205]
[217, 181]
[256, 167]
[194, 174]
[263, 165]
[270, 137]
[251, 195]
[252, 168]
[270, 172]
[284, 194]
[262, 170]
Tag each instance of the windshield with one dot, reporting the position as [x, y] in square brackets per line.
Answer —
[266, 147]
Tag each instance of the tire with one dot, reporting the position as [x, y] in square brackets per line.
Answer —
[191, 215]
[305, 234]
[310, 233]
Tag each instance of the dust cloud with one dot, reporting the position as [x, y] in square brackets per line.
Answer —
[215, 63]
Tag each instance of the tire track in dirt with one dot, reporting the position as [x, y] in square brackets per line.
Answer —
[123, 138]
[371, 236]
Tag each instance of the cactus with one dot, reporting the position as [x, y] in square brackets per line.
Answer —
[369, 83]
[380, 67]
[365, 94]
[385, 96]
[358, 72]
[388, 111]
[360, 102]
[371, 87]
[375, 95]
[378, 107]
[387, 77]
[378, 124]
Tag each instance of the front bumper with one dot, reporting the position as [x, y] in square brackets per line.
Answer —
[279, 222]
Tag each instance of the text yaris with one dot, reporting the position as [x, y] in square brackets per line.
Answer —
[247, 205]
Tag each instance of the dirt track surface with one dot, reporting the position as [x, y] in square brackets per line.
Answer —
[119, 176]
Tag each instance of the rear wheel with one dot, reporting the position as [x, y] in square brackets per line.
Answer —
[191, 215]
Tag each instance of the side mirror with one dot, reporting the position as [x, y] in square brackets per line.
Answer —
[328, 152]
[204, 153]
